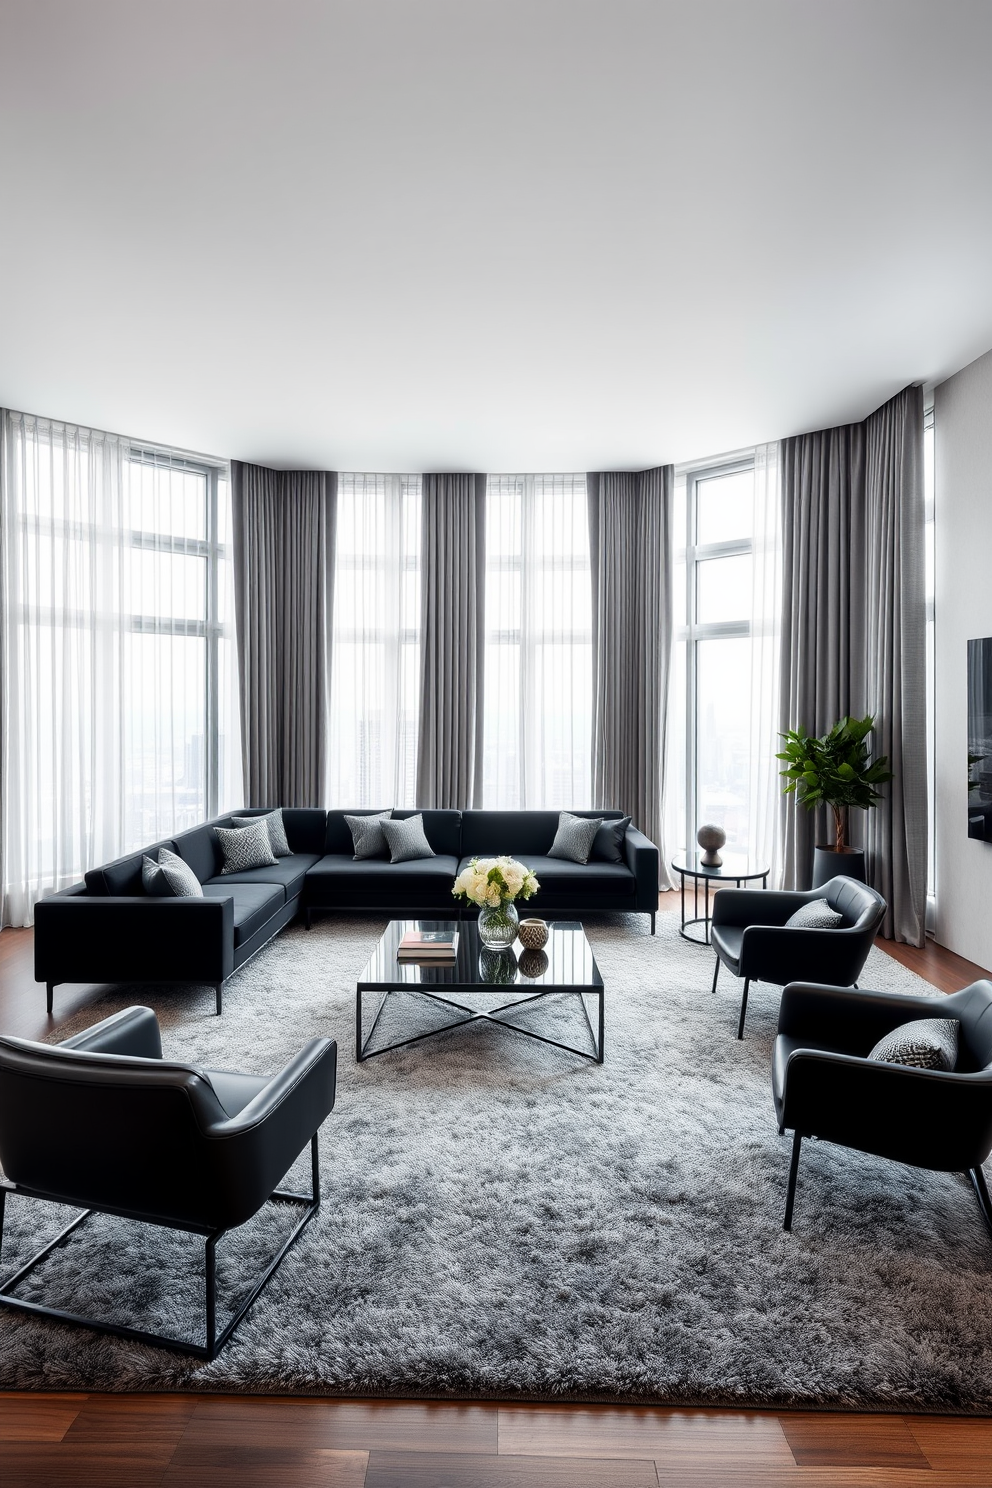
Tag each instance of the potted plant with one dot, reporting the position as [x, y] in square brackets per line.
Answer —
[835, 771]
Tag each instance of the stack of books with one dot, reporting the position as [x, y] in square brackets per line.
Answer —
[437, 947]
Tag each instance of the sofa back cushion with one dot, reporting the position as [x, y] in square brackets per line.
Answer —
[306, 826]
[515, 831]
[200, 849]
[123, 875]
[441, 828]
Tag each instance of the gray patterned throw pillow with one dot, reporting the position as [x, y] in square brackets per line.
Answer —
[926, 1043]
[575, 837]
[816, 915]
[406, 839]
[170, 877]
[246, 847]
[367, 834]
[277, 830]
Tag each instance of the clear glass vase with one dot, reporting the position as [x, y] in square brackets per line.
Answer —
[498, 927]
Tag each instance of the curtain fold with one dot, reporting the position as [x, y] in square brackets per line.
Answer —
[764, 786]
[284, 523]
[630, 548]
[853, 634]
[453, 573]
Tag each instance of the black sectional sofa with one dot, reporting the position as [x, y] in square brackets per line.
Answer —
[107, 929]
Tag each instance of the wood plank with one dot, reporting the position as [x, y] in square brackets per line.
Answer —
[56, 1465]
[943, 968]
[699, 1476]
[672, 1437]
[265, 1467]
[827, 1439]
[26, 1417]
[344, 1425]
[954, 1442]
[142, 1425]
[454, 1470]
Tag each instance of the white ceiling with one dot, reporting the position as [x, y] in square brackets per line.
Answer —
[489, 234]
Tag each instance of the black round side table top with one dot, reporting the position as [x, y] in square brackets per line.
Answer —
[735, 866]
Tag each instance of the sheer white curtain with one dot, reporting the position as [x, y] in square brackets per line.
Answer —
[120, 717]
[765, 787]
[375, 658]
[538, 666]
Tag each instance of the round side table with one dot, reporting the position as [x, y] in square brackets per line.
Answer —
[735, 869]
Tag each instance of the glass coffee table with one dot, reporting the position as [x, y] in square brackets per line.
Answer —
[566, 967]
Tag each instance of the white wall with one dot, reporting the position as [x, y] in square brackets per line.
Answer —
[963, 611]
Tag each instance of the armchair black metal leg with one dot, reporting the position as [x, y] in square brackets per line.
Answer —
[977, 1179]
[210, 1278]
[219, 994]
[716, 973]
[652, 922]
[306, 918]
[790, 1199]
[740, 1026]
[50, 996]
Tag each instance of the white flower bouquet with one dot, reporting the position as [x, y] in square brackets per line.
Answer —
[490, 882]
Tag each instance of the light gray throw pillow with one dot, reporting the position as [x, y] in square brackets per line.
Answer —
[575, 837]
[406, 839]
[367, 835]
[170, 877]
[816, 915]
[926, 1043]
[246, 847]
[277, 830]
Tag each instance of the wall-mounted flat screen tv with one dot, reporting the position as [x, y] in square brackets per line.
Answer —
[980, 739]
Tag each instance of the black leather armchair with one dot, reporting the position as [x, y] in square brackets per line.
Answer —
[824, 1085]
[750, 937]
[103, 1122]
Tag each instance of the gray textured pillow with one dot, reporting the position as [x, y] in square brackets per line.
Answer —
[170, 877]
[277, 830]
[816, 915]
[575, 837]
[926, 1043]
[406, 839]
[366, 834]
[607, 845]
[246, 847]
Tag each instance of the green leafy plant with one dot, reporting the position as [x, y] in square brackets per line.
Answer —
[835, 770]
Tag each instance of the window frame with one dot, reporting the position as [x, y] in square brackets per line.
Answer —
[690, 629]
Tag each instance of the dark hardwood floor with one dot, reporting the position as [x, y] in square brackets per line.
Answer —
[191, 1441]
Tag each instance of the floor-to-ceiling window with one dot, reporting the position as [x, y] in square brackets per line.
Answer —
[713, 633]
[537, 724]
[121, 722]
[375, 657]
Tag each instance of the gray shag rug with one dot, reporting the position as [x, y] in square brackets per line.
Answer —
[504, 1220]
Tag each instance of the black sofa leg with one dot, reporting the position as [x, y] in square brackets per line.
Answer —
[790, 1198]
[716, 973]
[740, 1026]
[50, 996]
[977, 1179]
[219, 994]
[652, 921]
[306, 918]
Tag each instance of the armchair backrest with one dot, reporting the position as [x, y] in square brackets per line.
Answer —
[862, 906]
[973, 1007]
[114, 1131]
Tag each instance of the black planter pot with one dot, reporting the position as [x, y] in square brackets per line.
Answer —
[828, 864]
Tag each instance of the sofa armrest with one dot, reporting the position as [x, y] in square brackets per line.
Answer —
[133, 1032]
[92, 938]
[846, 1018]
[643, 860]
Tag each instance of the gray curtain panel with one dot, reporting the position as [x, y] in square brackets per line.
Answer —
[284, 524]
[630, 548]
[453, 574]
[854, 634]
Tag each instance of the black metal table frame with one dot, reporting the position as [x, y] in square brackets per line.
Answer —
[708, 878]
[475, 1015]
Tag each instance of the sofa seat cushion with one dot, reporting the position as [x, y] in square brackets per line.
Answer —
[289, 872]
[570, 883]
[372, 883]
[254, 903]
